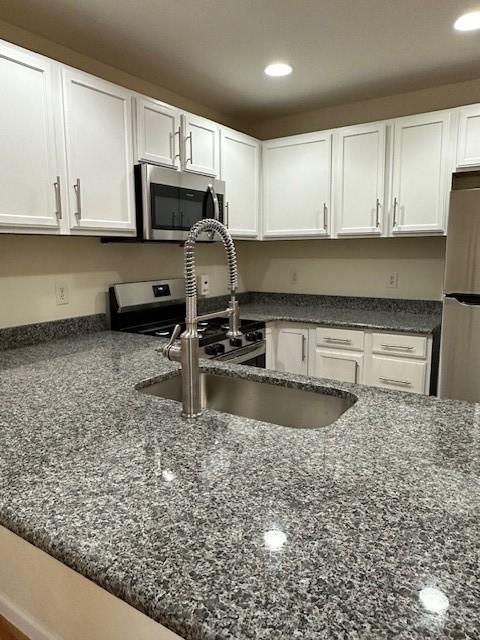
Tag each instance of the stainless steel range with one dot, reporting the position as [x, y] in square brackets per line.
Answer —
[154, 307]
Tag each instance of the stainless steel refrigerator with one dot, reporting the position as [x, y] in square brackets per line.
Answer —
[460, 343]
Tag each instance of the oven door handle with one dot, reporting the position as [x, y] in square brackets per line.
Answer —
[237, 358]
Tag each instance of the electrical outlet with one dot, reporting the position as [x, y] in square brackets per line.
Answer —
[61, 293]
[392, 280]
[293, 277]
[204, 284]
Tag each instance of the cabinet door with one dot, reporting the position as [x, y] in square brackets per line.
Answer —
[421, 176]
[158, 132]
[28, 158]
[270, 358]
[468, 149]
[98, 127]
[240, 169]
[201, 145]
[359, 179]
[292, 350]
[338, 365]
[296, 186]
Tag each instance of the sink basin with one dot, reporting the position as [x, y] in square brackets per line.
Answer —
[259, 400]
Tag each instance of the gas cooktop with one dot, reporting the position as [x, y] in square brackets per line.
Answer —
[154, 308]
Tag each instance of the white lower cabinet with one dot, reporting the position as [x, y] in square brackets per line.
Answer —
[397, 361]
[346, 366]
[397, 373]
[292, 350]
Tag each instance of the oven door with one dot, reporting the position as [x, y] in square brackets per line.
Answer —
[173, 202]
[253, 357]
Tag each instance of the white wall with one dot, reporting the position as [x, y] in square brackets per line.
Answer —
[31, 265]
[356, 267]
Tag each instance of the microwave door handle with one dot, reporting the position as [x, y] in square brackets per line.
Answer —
[210, 193]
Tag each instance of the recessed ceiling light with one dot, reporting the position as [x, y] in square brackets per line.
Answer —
[278, 69]
[468, 22]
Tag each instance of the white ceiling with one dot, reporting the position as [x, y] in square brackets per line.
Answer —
[214, 51]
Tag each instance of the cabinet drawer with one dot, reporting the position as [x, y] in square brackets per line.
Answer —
[340, 338]
[399, 345]
[397, 374]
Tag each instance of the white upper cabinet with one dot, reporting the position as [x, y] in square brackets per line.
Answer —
[240, 169]
[421, 173]
[30, 195]
[98, 128]
[201, 145]
[468, 147]
[158, 133]
[359, 179]
[297, 185]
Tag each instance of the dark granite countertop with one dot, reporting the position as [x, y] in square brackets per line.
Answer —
[226, 528]
[409, 316]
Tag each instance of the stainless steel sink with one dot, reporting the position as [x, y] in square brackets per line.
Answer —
[259, 400]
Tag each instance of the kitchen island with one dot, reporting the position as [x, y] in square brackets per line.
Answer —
[229, 528]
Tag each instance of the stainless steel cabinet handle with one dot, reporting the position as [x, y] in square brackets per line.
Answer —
[395, 205]
[58, 198]
[227, 214]
[179, 134]
[325, 212]
[377, 214]
[356, 372]
[189, 138]
[402, 383]
[397, 347]
[338, 340]
[304, 351]
[76, 188]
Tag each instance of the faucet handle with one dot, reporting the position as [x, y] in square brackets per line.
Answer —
[174, 336]
[167, 349]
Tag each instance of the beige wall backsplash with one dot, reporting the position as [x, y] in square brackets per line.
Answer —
[31, 265]
[354, 267]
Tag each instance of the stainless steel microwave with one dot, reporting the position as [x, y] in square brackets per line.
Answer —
[169, 202]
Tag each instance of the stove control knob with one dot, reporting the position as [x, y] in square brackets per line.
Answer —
[236, 342]
[219, 348]
[211, 350]
[259, 335]
[251, 337]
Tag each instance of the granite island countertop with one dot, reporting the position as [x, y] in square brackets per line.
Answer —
[365, 513]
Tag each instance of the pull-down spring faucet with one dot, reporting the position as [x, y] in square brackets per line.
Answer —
[187, 352]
